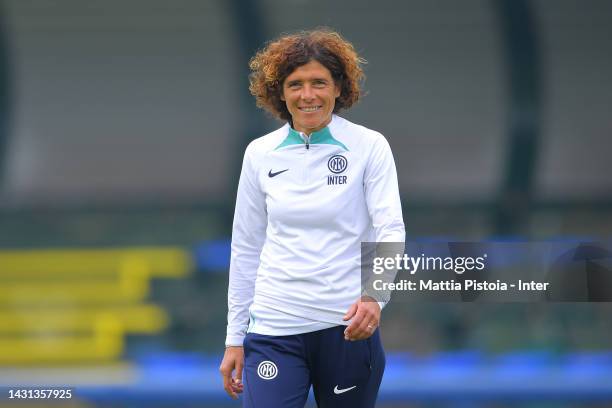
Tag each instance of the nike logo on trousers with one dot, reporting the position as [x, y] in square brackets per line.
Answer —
[340, 391]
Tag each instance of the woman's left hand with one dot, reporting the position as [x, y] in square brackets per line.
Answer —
[365, 315]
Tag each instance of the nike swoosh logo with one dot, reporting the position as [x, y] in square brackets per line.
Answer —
[270, 174]
[338, 391]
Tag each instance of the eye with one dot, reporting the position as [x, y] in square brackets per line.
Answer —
[293, 85]
[319, 83]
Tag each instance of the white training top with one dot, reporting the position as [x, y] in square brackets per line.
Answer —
[304, 206]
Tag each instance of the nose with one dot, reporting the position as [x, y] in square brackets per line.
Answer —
[307, 93]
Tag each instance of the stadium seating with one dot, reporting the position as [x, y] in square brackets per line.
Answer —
[71, 306]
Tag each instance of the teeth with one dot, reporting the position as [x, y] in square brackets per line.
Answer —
[310, 109]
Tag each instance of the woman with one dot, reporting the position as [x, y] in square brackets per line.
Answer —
[309, 194]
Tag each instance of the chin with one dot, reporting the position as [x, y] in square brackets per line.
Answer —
[314, 123]
[311, 123]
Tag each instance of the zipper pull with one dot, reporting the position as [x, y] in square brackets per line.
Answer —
[307, 145]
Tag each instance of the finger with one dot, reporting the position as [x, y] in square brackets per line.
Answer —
[367, 328]
[352, 329]
[365, 324]
[372, 319]
[357, 334]
[237, 382]
[237, 387]
[351, 312]
[239, 366]
[227, 386]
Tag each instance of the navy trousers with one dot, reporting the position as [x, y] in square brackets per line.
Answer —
[279, 370]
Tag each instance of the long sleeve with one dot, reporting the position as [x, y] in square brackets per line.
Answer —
[248, 237]
[384, 205]
[382, 194]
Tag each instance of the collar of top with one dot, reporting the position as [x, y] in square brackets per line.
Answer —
[322, 136]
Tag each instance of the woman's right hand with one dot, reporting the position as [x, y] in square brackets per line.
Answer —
[233, 361]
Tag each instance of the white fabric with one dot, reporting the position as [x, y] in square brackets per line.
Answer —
[296, 240]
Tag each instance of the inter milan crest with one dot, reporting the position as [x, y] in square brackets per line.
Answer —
[337, 164]
[267, 370]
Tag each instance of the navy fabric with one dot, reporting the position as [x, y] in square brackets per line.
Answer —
[279, 370]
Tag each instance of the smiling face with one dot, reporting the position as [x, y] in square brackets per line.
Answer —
[310, 95]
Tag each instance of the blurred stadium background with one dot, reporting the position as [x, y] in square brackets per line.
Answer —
[122, 128]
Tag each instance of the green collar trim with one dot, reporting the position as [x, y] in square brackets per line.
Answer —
[322, 136]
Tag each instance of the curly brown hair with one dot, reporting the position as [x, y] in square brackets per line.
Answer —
[272, 65]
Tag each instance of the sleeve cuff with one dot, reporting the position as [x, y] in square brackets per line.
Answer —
[234, 340]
